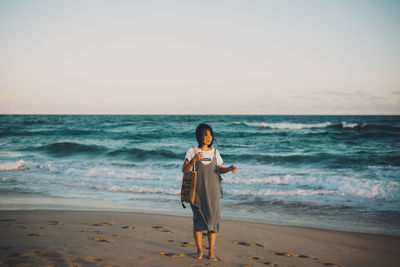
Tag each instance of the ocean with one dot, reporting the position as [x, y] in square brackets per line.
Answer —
[332, 172]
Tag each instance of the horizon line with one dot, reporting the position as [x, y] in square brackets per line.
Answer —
[180, 114]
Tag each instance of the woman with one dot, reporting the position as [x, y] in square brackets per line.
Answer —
[206, 208]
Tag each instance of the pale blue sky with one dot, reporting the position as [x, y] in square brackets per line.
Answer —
[200, 57]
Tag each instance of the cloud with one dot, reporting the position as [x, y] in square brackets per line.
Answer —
[335, 93]
[343, 93]
[355, 95]
[361, 93]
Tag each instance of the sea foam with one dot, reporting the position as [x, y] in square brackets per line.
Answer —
[13, 166]
[353, 125]
[122, 189]
[344, 186]
[274, 192]
[259, 181]
[287, 126]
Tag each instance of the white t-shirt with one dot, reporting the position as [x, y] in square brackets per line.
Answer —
[206, 155]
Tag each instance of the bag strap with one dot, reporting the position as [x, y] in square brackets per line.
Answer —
[193, 155]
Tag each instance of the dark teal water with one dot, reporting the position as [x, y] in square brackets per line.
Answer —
[338, 172]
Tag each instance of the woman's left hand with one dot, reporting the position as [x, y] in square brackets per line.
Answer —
[233, 168]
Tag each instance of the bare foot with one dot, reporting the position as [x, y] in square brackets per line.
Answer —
[199, 255]
[214, 258]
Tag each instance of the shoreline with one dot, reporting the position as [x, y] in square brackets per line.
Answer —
[42, 203]
[114, 238]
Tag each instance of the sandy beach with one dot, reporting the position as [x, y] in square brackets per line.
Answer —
[97, 238]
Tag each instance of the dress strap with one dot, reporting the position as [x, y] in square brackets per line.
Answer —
[219, 174]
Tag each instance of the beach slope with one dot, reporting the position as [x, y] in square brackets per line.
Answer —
[97, 238]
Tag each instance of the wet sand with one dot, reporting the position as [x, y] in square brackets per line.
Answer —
[103, 238]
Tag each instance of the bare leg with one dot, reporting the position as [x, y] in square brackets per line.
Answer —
[211, 241]
[197, 238]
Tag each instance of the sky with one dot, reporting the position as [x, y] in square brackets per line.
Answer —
[267, 57]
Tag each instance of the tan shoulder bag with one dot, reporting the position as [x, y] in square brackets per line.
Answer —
[188, 189]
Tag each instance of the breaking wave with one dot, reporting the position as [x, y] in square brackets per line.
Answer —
[13, 166]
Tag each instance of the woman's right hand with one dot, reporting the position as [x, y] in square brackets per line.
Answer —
[198, 156]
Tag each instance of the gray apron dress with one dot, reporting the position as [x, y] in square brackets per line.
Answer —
[206, 207]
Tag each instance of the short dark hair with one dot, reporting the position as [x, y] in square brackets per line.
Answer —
[199, 133]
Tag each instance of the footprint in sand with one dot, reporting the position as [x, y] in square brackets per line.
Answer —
[56, 223]
[182, 244]
[303, 256]
[85, 260]
[128, 227]
[99, 239]
[255, 258]
[271, 263]
[92, 259]
[241, 243]
[185, 244]
[330, 264]
[294, 255]
[37, 234]
[162, 229]
[172, 254]
[285, 254]
[50, 253]
[101, 224]
[94, 224]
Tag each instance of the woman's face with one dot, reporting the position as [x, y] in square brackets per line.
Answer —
[207, 137]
